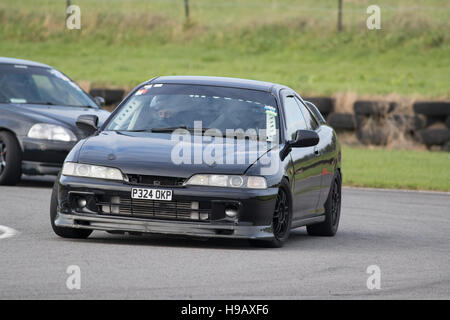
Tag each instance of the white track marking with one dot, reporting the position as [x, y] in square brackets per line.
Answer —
[7, 232]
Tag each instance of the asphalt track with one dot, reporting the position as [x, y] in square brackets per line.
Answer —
[405, 234]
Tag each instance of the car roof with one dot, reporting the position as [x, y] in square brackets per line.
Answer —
[5, 60]
[218, 81]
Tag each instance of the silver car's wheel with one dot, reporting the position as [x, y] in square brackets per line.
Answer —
[10, 159]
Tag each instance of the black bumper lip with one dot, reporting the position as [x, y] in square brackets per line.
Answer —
[162, 227]
[255, 215]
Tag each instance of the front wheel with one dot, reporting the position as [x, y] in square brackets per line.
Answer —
[64, 232]
[281, 222]
[329, 227]
[10, 159]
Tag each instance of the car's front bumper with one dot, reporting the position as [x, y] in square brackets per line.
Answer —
[41, 157]
[254, 219]
[41, 168]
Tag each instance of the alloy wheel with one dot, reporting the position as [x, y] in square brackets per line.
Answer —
[2, 156]
[281, 215]
[335, 203]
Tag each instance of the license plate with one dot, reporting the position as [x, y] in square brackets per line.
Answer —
[151, 194]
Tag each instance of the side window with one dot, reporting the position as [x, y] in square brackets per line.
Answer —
[309, 118]
[294, 118]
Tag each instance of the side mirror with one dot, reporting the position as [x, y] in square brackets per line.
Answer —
[99, 101]
[87, 123]
[305, 138]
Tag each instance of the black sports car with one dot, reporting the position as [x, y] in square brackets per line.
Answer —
[38, 109]
[203, 156]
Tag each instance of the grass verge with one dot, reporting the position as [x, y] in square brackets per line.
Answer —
[123, 43]
[399, 169]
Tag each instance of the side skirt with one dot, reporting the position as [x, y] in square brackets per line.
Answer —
[304, 222]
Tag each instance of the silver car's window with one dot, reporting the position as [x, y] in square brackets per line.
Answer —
[37, 85]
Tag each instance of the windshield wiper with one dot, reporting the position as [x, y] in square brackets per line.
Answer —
[137, 130]
[171, 129]
[47, 103]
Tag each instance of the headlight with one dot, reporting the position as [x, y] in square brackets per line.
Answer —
[48, 131]
[232, 181]
[90, 171]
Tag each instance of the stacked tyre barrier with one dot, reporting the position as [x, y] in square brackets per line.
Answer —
[381, 122]
[111, 96]
[374, 122]
[437, 130]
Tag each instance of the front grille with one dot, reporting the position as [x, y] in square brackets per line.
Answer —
[155, 180]
[178, 210]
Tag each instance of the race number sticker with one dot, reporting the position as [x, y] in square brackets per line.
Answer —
[271, 123]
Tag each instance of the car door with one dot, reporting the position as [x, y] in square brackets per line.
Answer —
[306, 184]
[322, 151]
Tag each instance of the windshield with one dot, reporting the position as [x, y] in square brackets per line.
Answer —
[166, 107]
[37, 85]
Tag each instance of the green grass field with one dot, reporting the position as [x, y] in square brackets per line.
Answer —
[292, 42]
[124, 42]
[400, 169]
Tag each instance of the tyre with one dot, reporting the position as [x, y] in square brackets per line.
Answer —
[10, 159]
[282, 220]
[342, 121]
[329, 227]
[435, 135]
[432, 108]
[64, 232]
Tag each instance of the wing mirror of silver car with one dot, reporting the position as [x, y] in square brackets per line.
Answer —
[100, 101]
[88, 123]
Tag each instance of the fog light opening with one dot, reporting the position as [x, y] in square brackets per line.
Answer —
[231, 211]
[81, 202]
